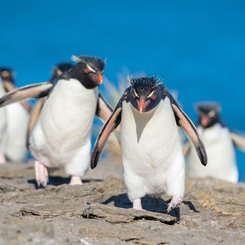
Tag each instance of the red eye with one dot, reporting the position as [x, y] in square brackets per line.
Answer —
[86, 70]
[153, 97]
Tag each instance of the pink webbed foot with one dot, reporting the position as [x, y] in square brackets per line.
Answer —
[175, 201]
[75, 180]
[137, 204]
[2, 158]
[41, 173]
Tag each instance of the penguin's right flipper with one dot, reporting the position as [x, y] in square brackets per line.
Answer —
[238, 140]
[26, 92]
[106, 130]
[35, 113]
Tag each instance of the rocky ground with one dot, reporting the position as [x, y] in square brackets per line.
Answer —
[99, 212]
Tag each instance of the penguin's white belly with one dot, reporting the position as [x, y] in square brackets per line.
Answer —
[15, 141]
[151, 151]
[62, 134]
[221, 156]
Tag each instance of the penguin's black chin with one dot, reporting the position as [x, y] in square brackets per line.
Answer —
[147, 108]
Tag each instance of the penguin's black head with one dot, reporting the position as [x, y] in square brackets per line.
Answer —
[59, 69]
[7, 74]
[208, 114]
[88, 70]
[145, 93]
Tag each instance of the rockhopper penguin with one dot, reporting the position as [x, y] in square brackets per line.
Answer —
[152, 156]
[219, 141]
[61, 135]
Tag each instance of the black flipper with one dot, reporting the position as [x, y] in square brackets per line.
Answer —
[103, 110]
[106, 130]
[183, 121]
[238, 140]
[26, 92]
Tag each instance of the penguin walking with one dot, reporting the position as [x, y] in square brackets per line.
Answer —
[219, 142]
[152, 156]
[61, 134]
[17, 116]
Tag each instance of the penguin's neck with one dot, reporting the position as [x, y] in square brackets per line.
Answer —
[73, 90]
[211, 133]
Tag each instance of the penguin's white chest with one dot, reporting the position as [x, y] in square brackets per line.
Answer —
[65, 123]
[151, 149]
[220, 152]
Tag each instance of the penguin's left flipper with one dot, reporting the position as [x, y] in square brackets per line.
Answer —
[106, 130]
[183, 121]
[103, 110]
[238, 140]
[9, 86]
[26, 92]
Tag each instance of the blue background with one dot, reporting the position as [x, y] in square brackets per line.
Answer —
[197, 47]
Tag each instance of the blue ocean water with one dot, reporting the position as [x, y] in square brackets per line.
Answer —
[197, 47]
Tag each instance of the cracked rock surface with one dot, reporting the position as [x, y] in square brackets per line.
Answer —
[99, 212]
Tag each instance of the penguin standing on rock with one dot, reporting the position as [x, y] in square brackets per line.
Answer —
[219, 142]
[17, 116]
[61, 135]
[152, 156]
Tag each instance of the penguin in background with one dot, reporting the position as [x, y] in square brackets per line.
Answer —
[219, 141]
[3, 125]
[152, 156]
[61, 136]
[16, 120]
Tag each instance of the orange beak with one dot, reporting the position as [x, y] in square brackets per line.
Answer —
[141, 104]
[204, 121]
[99, 79]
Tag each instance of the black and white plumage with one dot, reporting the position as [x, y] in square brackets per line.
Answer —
[219, 141]
[152, 156]
[16, 118]
[61, 135]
